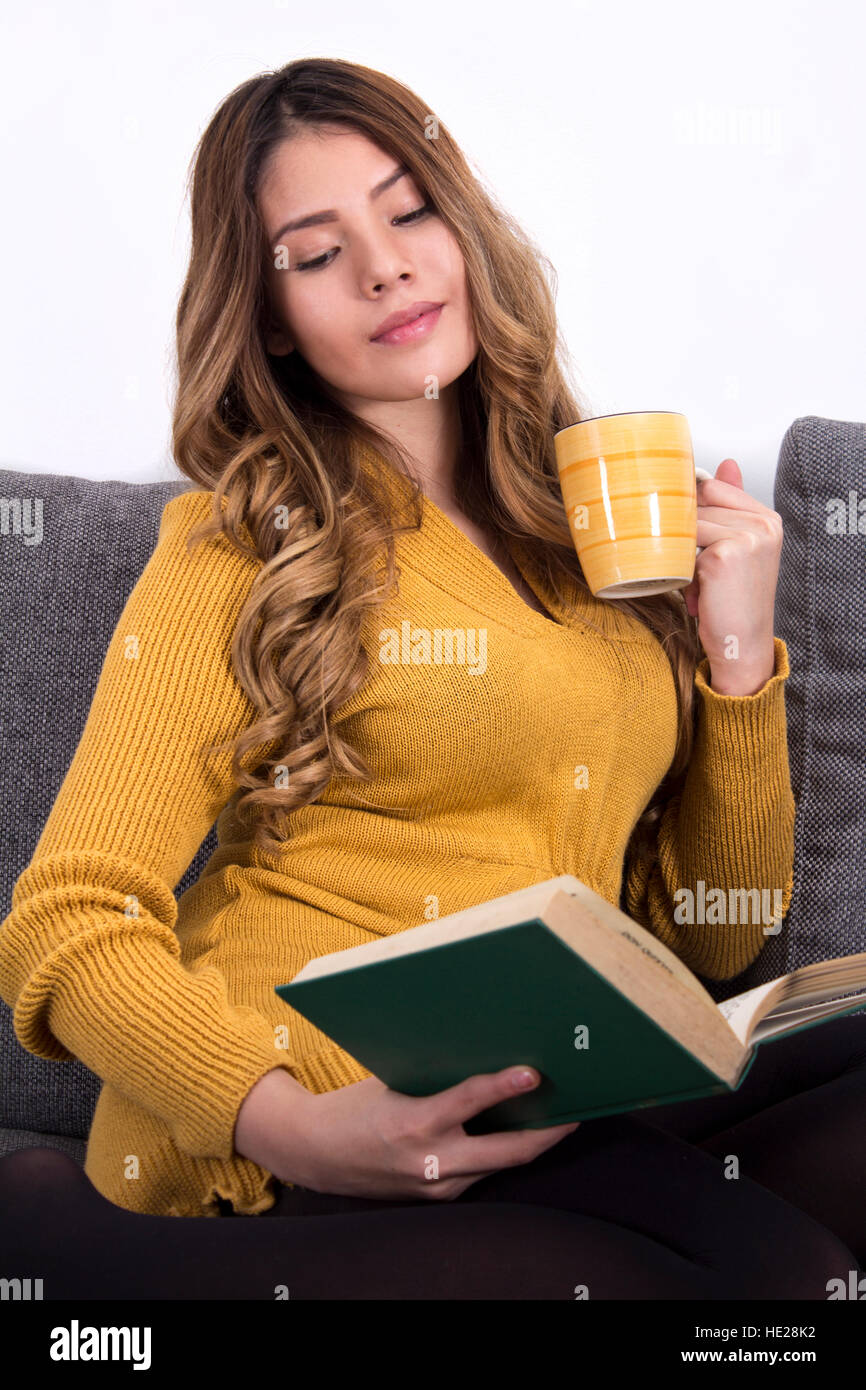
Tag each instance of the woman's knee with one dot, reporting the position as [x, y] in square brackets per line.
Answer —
[803, 1265]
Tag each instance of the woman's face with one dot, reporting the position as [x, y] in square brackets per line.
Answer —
[370, 261]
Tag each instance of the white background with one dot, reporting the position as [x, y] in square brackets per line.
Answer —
[694, 173]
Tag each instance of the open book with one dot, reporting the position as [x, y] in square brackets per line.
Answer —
[555, 976]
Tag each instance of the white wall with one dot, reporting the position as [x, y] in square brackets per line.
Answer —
[694, 173]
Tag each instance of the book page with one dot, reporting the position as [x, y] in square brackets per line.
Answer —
[825, 979]
[741, 1010]
[778, 1022]
[754, 1014]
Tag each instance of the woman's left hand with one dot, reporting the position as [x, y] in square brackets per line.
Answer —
[734, 587]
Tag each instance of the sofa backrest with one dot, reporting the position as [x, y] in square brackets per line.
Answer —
[820, 475]
[71, 551]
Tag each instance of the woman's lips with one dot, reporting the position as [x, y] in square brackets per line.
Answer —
[408, 332]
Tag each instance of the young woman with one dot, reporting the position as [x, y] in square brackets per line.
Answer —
[354, 478]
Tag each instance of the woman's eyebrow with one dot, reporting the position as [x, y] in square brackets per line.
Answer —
[315, 219]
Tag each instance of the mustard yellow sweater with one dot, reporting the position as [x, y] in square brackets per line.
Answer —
[478, 791]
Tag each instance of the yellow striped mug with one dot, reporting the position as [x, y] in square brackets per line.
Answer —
[628, 484]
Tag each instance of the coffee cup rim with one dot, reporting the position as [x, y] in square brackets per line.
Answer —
[615, 415]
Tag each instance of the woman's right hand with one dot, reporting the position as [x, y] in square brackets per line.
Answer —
[366, 1140]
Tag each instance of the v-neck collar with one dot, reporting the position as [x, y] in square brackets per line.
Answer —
[475, 573]
[486, 578]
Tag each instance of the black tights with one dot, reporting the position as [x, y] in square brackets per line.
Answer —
[634, 1206]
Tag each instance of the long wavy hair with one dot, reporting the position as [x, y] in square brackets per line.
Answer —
[268, 437]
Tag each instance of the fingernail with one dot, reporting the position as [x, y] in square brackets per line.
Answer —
[522, 1079]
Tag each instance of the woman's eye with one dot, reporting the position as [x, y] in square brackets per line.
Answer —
[312, 265]
[411, 216]
[406, 220]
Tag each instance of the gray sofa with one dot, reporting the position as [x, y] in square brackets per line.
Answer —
[61, 596]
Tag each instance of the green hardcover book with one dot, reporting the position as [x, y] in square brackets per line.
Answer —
[555, 976]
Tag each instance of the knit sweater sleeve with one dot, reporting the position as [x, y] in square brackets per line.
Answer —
[731, 828]
[89, 959]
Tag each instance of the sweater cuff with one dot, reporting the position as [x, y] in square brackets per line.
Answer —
[168, 1038]
[738, 724]
[745, 740]
[781, 672]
